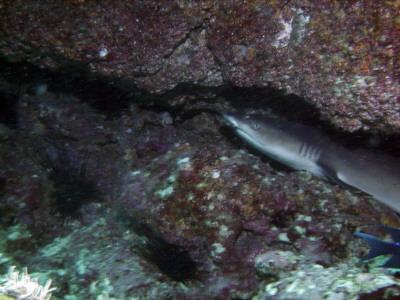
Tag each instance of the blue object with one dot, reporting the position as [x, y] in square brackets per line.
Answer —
[379, 247]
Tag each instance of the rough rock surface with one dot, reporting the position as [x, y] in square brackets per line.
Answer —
[341, 56]
[334, 283]
[144, 205]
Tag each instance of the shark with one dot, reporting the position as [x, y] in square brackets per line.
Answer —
[303, 147]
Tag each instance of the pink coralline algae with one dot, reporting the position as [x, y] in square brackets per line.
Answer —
[343, 57]
[166, 204]
[225, 209]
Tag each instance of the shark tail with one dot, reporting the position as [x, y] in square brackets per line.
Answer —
[377, 247]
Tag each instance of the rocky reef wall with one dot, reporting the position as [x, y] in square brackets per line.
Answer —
[341, 56]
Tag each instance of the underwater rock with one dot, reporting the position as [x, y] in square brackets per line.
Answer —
[272, 262]
[340, 56]
[165, 207]
[225, 208]
[25, 191]
[340, 282]
[99, 260]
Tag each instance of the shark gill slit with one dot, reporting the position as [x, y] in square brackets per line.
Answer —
[305, 148]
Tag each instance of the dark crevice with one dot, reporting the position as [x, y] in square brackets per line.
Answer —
[113, 96]
[8, 109]
[172, 260]
[108, 95]
[72, 190]
[72, 187]
[298, 110]
[282, 220]
[183, 40]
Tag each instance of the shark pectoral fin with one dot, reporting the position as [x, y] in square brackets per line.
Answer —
[344, 181]
[393, 262]
[329, 173]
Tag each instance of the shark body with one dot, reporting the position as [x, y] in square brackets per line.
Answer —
[305, 148]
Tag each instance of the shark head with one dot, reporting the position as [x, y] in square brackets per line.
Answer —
[279, 139]
[262, 133]
[305, 148]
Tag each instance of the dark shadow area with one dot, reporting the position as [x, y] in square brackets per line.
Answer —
[388, 293]
[290, 107]
[108, 95]
[72, 190]
[72, 187]
[112, 96]
[8, 109]
[172, 260]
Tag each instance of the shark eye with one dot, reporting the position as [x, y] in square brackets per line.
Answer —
[255, 125]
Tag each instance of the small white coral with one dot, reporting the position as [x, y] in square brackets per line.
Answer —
[22, 286]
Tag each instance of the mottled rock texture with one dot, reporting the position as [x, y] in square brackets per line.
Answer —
[342, 56]
[145, 204]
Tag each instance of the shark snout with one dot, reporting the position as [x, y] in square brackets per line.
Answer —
[230, 120]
